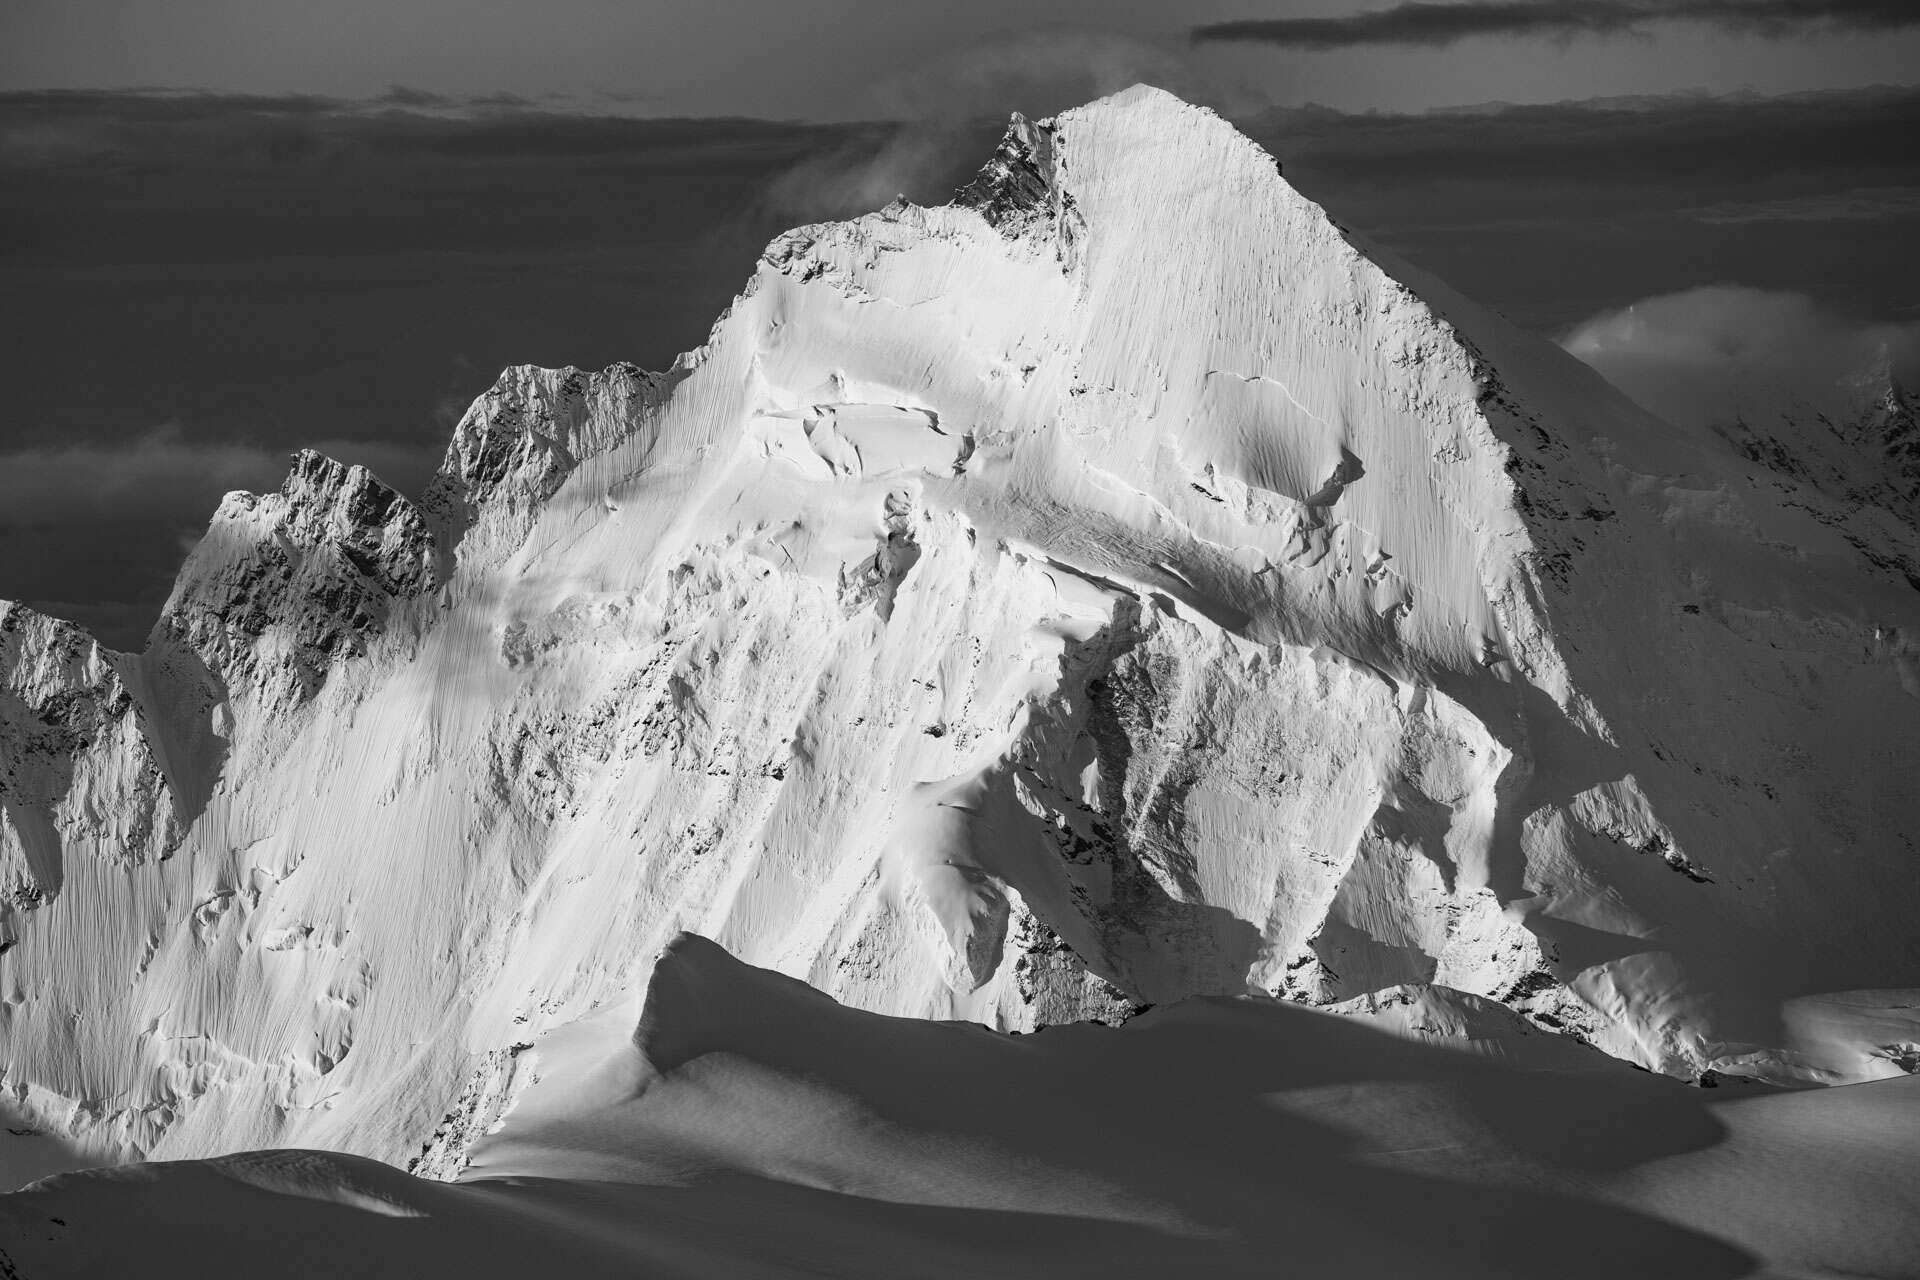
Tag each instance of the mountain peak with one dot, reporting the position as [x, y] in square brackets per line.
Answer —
[285, 585]
[1145, 102]
[1029, 174]
[1113, 586]
[1140, 95]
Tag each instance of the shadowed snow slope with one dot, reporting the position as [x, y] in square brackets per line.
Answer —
[752, 1126]
[1114, 586]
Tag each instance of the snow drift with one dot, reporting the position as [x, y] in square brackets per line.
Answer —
[745, 1125]
[1118, 585]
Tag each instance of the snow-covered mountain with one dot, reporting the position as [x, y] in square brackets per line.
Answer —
[1119, 584]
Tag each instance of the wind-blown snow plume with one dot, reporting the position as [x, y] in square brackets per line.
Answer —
[938, 107]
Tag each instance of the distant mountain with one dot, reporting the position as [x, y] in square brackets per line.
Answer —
[1118, 585]
[1867, 453]
[1855, 469]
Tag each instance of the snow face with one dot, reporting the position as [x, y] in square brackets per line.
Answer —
[1117, 585]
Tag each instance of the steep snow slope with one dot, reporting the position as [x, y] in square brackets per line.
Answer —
[747, 1126]
[1115, 585]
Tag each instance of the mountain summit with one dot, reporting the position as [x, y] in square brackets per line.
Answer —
[1116, 585]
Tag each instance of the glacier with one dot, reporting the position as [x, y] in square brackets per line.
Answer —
[1119, 585]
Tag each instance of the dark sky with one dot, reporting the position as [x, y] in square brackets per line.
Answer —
[199, 282]
[855, 59]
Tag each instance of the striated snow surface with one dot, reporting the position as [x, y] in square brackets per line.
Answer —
[1117, 585]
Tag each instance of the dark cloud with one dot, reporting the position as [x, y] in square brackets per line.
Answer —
[286, 271]
[154, 130]
[1422, 23]
[1710, 142]
[1859, 204]
[400, 95]
[166, 476]
[1554, 212]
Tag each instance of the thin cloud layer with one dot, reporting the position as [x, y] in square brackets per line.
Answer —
[1554, 212]
[164, 475]
[1420, 23]
[171, 128]
[1836, 140]
[1706, 356]
[1858, 204]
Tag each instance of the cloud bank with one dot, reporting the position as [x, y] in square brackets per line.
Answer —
[1420, 23]
[1705, 356]
[1554, 212]
[166, 476]
[150, 129]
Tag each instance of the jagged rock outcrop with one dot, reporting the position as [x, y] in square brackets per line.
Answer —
[1891, 429]
[1856, 470]
[77, 768]
[1118, 584]
[520, 440]
[283, 587]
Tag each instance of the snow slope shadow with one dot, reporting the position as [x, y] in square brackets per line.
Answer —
[1118, 718]
[752, 1126]
[1239, 1130]
[28, 1154]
